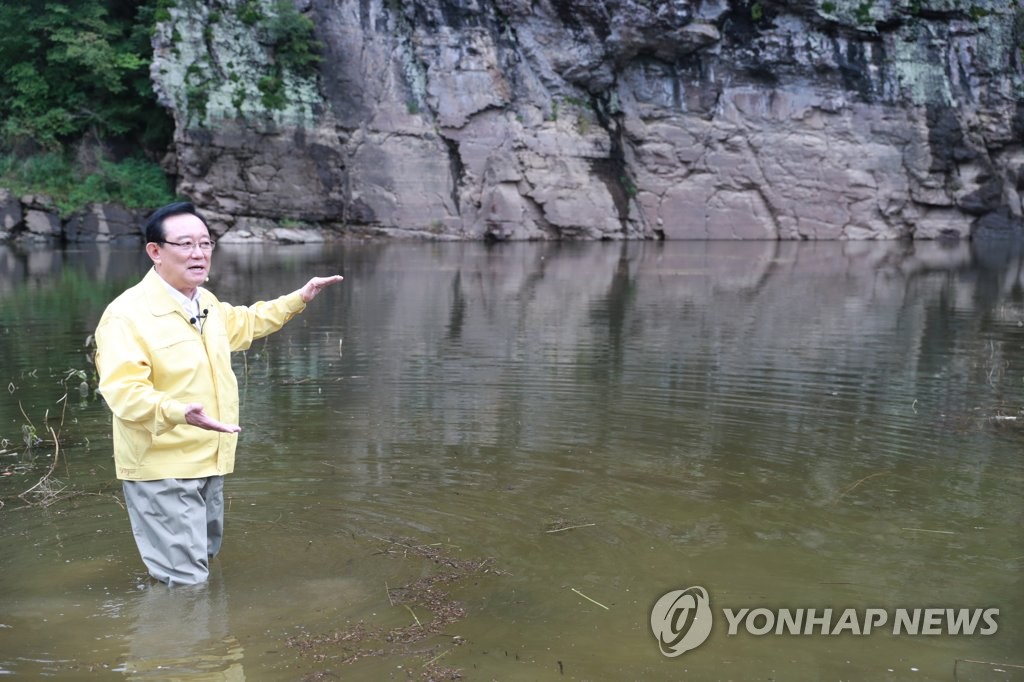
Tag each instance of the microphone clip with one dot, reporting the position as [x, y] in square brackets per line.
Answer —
[200, 318]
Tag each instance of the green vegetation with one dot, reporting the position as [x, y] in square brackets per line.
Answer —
[238, 98]
[74, 72]
[290, 35]
[863, 13]
[197, 89]
[75, 76]
[629, 187]
[249, 12]
[978, 12]
[272, 92]
[131, 182]
[287, 35]
[1018, 30]
[583, 123]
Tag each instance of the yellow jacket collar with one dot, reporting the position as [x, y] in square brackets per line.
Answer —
[159, 301]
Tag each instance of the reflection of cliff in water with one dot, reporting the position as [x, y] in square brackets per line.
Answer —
[592, 297]
[721, 329]
[654, 328]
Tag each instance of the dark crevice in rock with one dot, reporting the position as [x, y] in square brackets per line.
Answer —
[998, 224]
[854, 67]
[580, 16]
[613, 170]
[364, 15]
[763, 73]
[458, 170]
[1017, 122]
[739, 25]
[982, 200]
[946, 139]
[613, 173]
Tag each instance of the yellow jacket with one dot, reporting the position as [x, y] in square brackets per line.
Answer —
[152, 361]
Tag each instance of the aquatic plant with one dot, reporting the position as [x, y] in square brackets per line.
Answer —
[48, 489]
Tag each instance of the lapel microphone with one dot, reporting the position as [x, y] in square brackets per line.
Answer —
[200, 317]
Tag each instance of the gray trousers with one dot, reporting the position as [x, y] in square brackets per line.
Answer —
[178, 524]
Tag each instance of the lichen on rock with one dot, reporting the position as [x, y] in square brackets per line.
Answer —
[211, 66]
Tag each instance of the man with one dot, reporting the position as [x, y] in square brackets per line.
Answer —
[163, 356]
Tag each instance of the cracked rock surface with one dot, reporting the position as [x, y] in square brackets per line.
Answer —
[604, 119]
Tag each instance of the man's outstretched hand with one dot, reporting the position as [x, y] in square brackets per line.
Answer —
[195, 416]
[194, 413]
[316, 285]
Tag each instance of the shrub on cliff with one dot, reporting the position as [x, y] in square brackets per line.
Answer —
[292, 38]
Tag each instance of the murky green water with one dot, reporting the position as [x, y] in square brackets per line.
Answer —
[568, 432]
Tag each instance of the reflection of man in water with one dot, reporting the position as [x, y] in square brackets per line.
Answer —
[163, 352]
[183, 633]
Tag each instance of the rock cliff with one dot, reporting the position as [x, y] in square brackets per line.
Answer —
[601, 119]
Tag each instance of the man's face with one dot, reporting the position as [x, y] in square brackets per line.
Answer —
[183, 270]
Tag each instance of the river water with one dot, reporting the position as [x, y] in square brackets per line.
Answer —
[497, 459]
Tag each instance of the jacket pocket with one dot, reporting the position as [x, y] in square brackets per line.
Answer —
[178, 362]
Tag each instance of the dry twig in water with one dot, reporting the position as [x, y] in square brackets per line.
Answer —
[993, 664]
[926, 530]
[589, 599]
[559, 530]
[46, 493]
[850, 488]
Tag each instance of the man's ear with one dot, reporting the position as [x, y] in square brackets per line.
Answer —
[153, 251]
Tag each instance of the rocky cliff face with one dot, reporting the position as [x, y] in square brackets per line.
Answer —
[603, 119]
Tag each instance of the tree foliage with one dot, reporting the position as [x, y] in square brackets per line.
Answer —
[78, 69]
[291, 35]
[78, 114]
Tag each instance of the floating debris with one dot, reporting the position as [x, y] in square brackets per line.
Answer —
[362, 641]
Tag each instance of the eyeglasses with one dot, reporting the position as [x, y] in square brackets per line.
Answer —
[205, 246]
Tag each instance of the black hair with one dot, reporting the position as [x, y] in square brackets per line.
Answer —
[153, 228]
